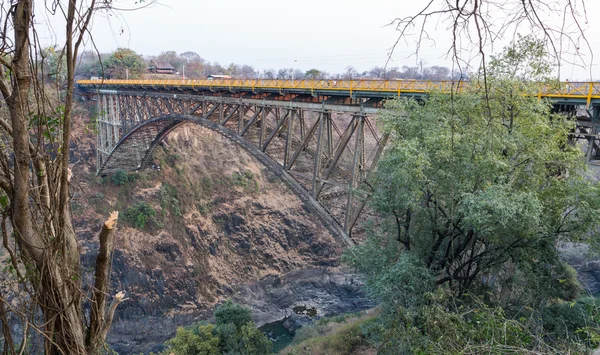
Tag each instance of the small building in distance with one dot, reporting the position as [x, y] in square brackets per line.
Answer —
[160, 67]
[218, 76]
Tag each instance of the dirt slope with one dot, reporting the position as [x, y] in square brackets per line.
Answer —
[219, 222]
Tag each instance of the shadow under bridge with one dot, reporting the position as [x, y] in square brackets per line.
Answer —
[323, 152]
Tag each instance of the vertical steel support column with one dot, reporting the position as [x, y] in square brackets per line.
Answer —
[317, 165]
[355, 161]
[329, 132]
[109, 117]
[99, 135]
[144, 100]
[302, 123]
[288, 139]
[241, 117]
[343, 142]
[361, 204]
[116, 120]
[263, 127]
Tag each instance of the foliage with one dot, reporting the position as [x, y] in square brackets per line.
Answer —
[313, 74]
[232, 313]
[198, 341]
[123, 63]
[332, 336]
[477, 190]
[119, 178]
[477, 327]
[234, 333]
[255, 342]
[245, 179]
[172, 58]
[54, 64]
[169, 200]
[48, 296]
[140, 215]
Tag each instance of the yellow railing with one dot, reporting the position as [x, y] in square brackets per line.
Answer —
[580, 90]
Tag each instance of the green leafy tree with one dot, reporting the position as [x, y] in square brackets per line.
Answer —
[255, 342]
[140, 215]
[124, 63]
[202, 341]
[477, 190]
[313, 74]
[234, 333]
[233, 313]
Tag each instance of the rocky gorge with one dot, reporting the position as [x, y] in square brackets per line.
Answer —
[206, 224]
[216, 226]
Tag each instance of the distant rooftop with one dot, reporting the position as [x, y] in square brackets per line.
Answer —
[161, 65]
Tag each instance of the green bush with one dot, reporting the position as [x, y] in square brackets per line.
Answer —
[234, 333]
[140, 215]
[119, 178]
[245, 179]
[199, 341]
[577, 320]
[232, 313]
[169, 200]
[330, 338]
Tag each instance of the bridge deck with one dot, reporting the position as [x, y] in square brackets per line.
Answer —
[572, 92]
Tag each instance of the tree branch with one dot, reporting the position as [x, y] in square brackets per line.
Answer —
[99, 320]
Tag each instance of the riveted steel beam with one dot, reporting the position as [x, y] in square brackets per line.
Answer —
[302, 138]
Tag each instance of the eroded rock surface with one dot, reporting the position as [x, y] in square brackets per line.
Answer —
[223, 228]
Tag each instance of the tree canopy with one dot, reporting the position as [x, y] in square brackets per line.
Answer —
[233, 333]
[478, 190]
[123, 63]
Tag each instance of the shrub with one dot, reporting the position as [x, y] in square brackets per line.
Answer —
[140, 215]
[119, 178]
[233, 313]
[234, 333]
[202, 341]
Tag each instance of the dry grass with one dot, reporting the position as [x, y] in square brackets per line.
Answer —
[332, 338]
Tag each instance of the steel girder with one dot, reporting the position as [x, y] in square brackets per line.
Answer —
[323, 152]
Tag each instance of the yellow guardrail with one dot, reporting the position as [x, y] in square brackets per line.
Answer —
[578, 90]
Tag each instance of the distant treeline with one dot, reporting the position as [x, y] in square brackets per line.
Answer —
[125, 63]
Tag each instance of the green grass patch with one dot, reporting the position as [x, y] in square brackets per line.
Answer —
[341, 335]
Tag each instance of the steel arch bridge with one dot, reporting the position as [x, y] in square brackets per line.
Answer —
[323, 153]
[318, 136]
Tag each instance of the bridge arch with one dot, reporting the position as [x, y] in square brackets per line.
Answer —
[149, 133]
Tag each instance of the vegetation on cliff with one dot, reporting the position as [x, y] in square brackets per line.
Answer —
[234, 332]
[478, 190]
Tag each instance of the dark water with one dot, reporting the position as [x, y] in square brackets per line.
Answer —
[278, 334]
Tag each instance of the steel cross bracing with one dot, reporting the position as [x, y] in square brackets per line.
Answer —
[578, 99]
[324, 153]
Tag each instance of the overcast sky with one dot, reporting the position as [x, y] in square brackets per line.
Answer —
[324, 34]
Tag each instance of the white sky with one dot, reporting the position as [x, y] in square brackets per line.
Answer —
[323, 34]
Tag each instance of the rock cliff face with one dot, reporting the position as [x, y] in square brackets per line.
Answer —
[587, 267]
[215, 226]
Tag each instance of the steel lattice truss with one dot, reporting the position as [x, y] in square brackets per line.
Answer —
[324, 153]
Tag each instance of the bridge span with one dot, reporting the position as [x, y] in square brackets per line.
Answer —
[318, 136]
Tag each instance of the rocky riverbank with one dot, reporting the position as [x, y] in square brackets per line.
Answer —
[330, 291]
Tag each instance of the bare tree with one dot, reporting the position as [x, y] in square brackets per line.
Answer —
[349, 73]
[476, 25]
[35, 128]
[268, 74]
[192, 57]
